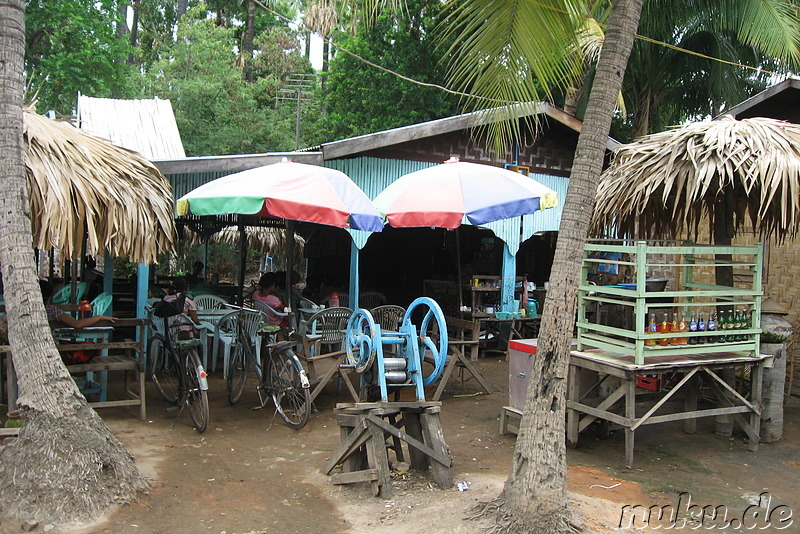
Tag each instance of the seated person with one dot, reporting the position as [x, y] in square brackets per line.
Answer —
[177, 290]
[56, 314]
[265, 293]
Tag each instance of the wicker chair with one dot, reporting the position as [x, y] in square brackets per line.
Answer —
[389, 316]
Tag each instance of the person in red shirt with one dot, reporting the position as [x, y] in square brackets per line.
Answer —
[266, 294]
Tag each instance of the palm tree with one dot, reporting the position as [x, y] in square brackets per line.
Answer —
[665, 86]
[63, 441]
[502, 55]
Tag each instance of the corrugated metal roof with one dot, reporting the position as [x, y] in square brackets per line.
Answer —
[146, 126]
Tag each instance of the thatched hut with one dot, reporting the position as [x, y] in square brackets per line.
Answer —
[83, 189]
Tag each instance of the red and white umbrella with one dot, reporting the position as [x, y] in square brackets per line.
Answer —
[447, 195]
[289, 190]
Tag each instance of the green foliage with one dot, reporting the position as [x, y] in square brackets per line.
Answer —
[71, 46]
[362, 99]
[216, 110]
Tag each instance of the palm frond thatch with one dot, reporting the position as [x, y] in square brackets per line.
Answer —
[669, 182]
[260, 238]
[82, 187]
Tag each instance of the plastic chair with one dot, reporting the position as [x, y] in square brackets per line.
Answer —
[64, 295]
[321, 339]
[269, 310]
[209, 302]
[101, 304]
[228, 329]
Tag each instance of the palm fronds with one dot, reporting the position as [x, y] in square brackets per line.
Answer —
[669, 182]
[82, 187]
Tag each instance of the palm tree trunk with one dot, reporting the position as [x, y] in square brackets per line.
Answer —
[536, 491]
[134, 30]
[63, 445]
[247, 41]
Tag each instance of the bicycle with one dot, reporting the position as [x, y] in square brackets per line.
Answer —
[281, 377]
[177, 371]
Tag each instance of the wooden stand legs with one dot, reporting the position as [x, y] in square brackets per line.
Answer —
[369, 430]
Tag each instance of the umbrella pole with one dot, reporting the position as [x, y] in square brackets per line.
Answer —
[458, 280]
[289, 268]
[242, 261]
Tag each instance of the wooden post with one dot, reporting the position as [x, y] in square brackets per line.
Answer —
[434, 438]
[419, 460]
[378, 460]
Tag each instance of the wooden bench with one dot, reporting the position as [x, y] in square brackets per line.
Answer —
[134, 389]
[462, 336]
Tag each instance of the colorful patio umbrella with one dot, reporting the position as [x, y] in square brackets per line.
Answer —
[288, 190]
[447, 195]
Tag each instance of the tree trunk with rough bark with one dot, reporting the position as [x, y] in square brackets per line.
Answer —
[66, 465]
[536, 492]
[247, 40]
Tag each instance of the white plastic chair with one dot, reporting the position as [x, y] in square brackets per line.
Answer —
[228, 329]
[209, 302]
[267, 310]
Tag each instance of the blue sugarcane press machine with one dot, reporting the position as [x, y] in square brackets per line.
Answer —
[394, 360]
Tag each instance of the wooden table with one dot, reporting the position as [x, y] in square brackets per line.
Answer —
[582, 410]
[115, 356]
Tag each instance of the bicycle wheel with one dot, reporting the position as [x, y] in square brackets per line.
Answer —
[163, 369]
[196, 396]
[237, 370]
[290, 395]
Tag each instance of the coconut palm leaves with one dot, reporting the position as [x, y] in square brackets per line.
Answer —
[83, 188]
[668, 182]
[505, 51]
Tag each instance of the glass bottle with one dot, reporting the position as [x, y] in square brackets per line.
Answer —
[664, 328]
[712, 327]
[701, 327]
[683, 327]
[693, 329]
[674, 328]
[731, 327]
[652, 328]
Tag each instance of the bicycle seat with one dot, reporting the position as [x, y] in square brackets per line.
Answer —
[268, 328]
[187, 343]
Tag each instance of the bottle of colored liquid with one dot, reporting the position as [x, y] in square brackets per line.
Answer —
[84, 309]
[712, 327]
[701, 327]
[693, 329]
[652, 328]
[674, 328]
[730, 326]
[664, 327]
[683, 327]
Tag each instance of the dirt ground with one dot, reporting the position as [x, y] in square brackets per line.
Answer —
[249, 474]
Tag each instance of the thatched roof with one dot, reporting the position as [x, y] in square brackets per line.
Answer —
[83, 187]
[262, 239]
[670, 181]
